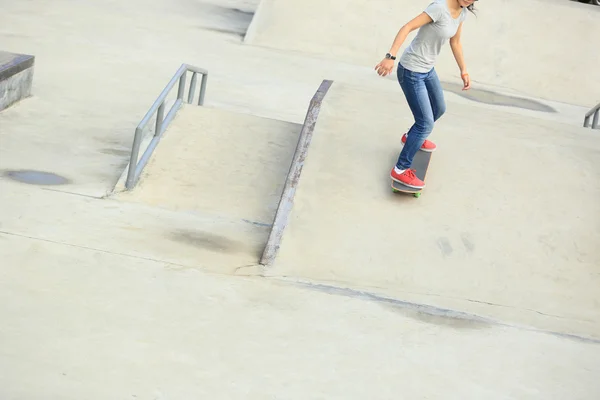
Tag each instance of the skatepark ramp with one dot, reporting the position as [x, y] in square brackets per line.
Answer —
[506, 229]
[226, 171]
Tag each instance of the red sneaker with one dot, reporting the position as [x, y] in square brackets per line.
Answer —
[408, 178]
[427, 145]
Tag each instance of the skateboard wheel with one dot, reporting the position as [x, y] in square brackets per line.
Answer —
[417, 194]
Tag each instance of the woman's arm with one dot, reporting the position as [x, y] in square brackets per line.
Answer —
[386, 65]
[457, 50]
[415, 23]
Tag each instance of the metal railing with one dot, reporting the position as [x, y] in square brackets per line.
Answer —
[596, 113]
[136, 167]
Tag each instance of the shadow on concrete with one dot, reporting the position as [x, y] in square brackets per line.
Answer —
[497, 99]
[36, 177]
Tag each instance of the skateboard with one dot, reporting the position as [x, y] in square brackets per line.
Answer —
[420, 164]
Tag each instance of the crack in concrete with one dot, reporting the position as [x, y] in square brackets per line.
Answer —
[428, 309]
[353, 293]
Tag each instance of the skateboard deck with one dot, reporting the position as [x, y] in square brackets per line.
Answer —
[420, 165]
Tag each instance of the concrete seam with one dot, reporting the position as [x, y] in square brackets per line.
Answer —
[95, 249]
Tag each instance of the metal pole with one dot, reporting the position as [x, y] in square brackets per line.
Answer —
[202, 89]
[192, 88]
[181, 86]
[135, 149]
[160, 114]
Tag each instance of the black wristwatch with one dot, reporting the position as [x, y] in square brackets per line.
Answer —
[389, 56]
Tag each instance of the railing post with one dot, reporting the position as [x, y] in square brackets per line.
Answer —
[135, 149]
[192, 88]
[202, 89]
[160, 114]
[181, 85]
[593, 115]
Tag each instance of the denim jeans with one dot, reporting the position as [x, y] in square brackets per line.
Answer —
[425, 98]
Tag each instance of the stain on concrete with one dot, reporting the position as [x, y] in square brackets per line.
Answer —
[422, 312]
[116, 152]
[255, 223]
[223, 19]
[445, 247]
[226, 31]
[443, 320]
[467, 242]
[245, 14]
[547, 242]
[207, 240]
[113, 142]
[121, 165]
[33, 177]
[497, 99]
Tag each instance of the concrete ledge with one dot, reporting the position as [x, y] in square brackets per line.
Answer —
[16, 78]
[287, 198]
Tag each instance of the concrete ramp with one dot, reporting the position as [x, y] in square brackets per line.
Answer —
[507, 44]
[226, 167]
[507, 228]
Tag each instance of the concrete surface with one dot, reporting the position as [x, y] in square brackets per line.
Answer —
[92, 88]
[507, 226]
[217, 160]
[507, 44]
[214, 241]
[106, 298]
[80, 323]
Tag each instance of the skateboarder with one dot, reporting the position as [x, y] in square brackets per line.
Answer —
[442, 20]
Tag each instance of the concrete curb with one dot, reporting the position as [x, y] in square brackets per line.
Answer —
[287, 198]
[16, 78]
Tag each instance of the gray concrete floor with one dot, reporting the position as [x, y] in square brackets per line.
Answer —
[106, 298]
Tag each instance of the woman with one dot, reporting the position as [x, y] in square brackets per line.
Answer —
[442, 20]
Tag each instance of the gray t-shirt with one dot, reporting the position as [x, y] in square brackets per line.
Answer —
[421, 54]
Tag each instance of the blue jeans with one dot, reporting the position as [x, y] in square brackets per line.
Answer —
[425, 98]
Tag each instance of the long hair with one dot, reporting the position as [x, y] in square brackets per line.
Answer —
[472, 8]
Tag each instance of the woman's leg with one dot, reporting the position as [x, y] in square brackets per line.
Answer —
[415, 89]
[436, 94]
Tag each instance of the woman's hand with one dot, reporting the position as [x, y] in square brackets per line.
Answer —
[385, 67]
[466, 81]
